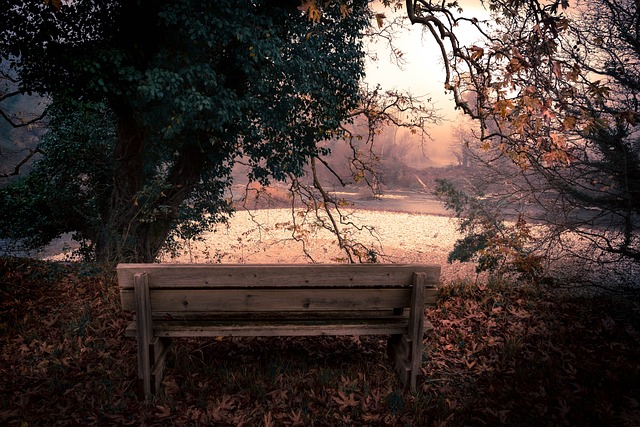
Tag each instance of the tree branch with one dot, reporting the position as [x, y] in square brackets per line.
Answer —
[16, 170]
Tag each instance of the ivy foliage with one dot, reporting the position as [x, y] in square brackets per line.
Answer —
[67, 188]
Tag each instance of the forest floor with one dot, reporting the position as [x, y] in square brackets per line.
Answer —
[502, 354]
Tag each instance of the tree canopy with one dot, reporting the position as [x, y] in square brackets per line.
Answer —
[555, 89]
[189, 87]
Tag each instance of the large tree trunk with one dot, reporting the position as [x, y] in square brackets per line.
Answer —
[116, 242]
[131, 233]
[184, 176]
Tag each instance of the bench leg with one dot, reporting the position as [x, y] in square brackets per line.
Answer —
[152, 351]
[398, 349]
[148, 386]
[405, 350]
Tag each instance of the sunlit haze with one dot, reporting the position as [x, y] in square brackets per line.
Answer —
[422, 74]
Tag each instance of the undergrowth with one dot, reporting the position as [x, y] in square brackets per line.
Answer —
[502, 354]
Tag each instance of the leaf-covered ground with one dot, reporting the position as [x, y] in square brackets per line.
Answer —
[501, 355]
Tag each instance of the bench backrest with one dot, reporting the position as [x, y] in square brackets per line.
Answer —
[200, 290]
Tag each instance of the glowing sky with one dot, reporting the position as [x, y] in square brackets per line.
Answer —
[423, 75]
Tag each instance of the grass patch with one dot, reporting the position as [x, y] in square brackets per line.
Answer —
[502, 354]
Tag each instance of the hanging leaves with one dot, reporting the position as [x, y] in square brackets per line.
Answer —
[310, 7]
[476, 52]
[56, 4]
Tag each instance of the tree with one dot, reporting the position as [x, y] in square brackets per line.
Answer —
[191, 87]
[492, 243]
[67, 189]
[555, 90]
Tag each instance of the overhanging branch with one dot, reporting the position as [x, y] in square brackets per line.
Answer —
[16, 169]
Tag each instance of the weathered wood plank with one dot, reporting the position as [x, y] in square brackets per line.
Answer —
[278, 315]
[398, 351]
[240, 299]
[144, 327]
[157, 370]
[170, 329]
[157, 348]
[246, 300]
[300, 328]
[277, 275]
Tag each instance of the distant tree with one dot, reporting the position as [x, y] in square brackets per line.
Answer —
[463, 141]
[190, 87]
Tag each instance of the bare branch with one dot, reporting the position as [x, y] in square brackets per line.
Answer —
[16, 170]
[21, 123]
[388, 33]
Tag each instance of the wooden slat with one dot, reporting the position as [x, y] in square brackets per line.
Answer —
[301, 328]
[230, 300]
[280, 330]
[398, 351]
[276, 275]
[127, 298]
[157, 371]
[157, 347]
[283, 316]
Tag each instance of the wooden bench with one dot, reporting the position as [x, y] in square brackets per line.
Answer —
[213, 300]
